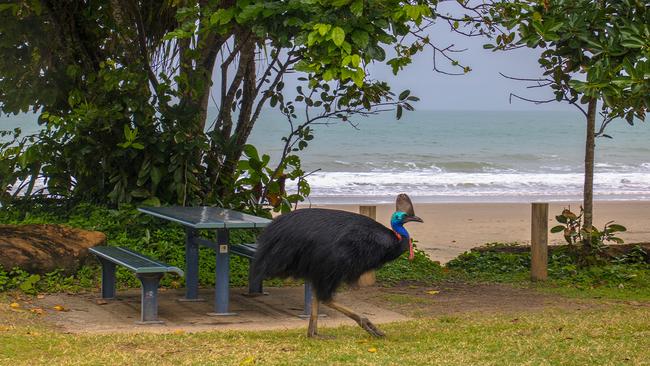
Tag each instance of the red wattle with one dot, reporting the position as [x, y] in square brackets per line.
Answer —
[411, 253]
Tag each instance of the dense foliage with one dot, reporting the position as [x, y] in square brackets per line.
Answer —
[159, 239]
[122, 89]
[620, 276]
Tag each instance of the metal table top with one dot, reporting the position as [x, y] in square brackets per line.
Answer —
[203, 217]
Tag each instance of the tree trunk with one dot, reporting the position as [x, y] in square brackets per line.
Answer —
[588, 189]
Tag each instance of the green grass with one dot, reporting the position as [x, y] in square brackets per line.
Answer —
[618, 335]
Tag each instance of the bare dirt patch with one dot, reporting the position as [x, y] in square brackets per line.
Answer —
[449, 298]
[281, 309]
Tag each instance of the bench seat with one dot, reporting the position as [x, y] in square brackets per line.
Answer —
[147, 270]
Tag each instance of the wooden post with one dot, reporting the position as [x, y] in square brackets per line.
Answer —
[368, 278]
[539, 242]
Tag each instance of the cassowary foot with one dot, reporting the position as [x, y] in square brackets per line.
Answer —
[369, 327]
[361, 320]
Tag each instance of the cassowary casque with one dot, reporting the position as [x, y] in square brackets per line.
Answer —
[329, 247]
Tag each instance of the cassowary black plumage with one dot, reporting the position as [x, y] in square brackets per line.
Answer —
[330, 247]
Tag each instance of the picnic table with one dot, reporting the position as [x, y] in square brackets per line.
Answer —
[211, 218]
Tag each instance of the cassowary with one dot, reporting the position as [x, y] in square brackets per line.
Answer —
[329, 247]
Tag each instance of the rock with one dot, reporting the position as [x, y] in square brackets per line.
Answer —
[45, 248]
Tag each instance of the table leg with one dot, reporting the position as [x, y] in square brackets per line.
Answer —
[308, 294]
[222, 273]
[191, 266]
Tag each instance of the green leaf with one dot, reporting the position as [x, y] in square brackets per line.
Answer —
[251, 152]
[360, 38]
[340, 3]
[355, 60]
[557, 229]
[140, 193]
[151, 201]
[127, 133]
[322, 29]
[156, 175]
[357, 7]
[616, 227]
[338, 36]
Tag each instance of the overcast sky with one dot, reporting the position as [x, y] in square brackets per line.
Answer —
[481, 89]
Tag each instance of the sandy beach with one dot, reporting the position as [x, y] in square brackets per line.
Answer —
[453, 228]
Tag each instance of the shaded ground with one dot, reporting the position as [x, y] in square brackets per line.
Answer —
[282, 307]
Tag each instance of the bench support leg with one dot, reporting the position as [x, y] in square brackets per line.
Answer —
[254, 287]
[222, 274]
[149, 298]
[108, 278]
[191, 267]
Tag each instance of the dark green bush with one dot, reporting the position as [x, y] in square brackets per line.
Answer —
[158, 239]
[564, 268]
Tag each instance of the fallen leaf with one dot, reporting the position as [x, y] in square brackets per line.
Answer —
[372, 350]
[40, 296]
[59, 308]
[433, 292]
[179, 331]
[250, 360]
[14, 305]
[38, 311]
[101, 302]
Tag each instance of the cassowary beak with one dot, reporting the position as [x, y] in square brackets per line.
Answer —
[412, 218]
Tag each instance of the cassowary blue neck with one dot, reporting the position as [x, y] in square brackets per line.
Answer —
[398, 227]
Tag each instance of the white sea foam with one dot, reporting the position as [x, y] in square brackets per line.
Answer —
[430, 183]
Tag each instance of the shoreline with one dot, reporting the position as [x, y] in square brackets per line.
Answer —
[462, 199]
[449, 229]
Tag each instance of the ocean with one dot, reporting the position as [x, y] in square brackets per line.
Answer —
[459, 156]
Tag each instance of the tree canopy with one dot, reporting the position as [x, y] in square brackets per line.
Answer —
[596, 56]
[123, 89]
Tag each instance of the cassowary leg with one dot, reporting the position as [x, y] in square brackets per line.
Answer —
[362, 321]
[312, 331]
